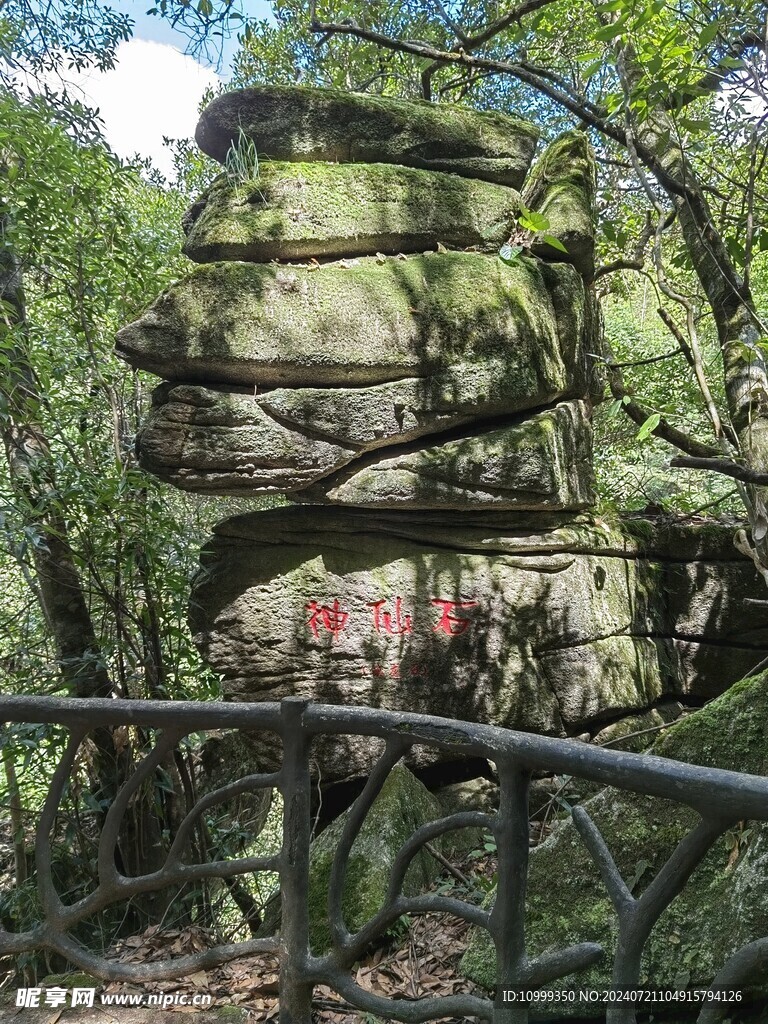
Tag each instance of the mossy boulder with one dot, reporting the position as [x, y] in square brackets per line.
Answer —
[637, 733]
[359, 324]
[542, 462]
[543, 622]
[405, 410]
[478, 794]
[402, 806]
[301, 210]
[304, 124]
[561, 187]
[218, 442]
[723, 905]
[222, 443]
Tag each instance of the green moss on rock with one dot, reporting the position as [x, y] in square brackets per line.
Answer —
[299, 123]
[561, 187]
[301, 210]
[402, 806]
[359, 324]
[723, 905]
[71, 979]
[542, 462]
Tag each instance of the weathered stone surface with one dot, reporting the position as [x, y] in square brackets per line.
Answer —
[473, 795]
[361, 324]
[297, 123]
[561, 187]
[617, 672]
[296, 211]
[543, 462]
[223, 443]
[723, 905]
[638, 732]
[565, 624]
[405, 410]
[402, 806]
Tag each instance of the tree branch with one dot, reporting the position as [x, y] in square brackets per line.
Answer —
[427, 51]
[639, 415]
[721, 465]
[612, 268]
[503, 23]
[711, 80]
[457, 30]
[578, 106]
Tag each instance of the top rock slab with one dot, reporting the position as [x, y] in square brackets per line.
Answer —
[294, 123]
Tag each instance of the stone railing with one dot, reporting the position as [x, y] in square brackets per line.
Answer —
[720, 798]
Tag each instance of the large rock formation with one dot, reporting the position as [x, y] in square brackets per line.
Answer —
[548, 624]
[438, 400]
[364, 357]
[392, 377]
[296, 211]
[288, 123]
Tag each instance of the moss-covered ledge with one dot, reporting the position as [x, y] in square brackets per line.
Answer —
[300, 123]
[561, 187]
[403, 805]
[303, 210]
[360, 323]
[722, 907]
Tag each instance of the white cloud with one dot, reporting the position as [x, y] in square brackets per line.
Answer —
[154, 91]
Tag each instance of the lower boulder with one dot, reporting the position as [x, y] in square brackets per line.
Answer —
[723, 905]
[548, 624]
[403, 805]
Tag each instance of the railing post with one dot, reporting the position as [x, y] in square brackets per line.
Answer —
[295, 993]
[508, 916]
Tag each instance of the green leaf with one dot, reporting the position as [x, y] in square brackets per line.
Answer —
[649, 426]
[533, 221]
[509, 253]
[555, 243]
[590, 69]
[614, 409]
[608, 32]
[693, 124]
[708, 33]
[640, 869]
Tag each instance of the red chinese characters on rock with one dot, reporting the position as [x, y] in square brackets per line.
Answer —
[382, 620]
[453, 625]
[333, 619]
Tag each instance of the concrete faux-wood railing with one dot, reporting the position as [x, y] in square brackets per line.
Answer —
[720, 798]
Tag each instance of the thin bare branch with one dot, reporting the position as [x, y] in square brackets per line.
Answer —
[720, 465]
[615, 266]
[454, 26]
[432, 53]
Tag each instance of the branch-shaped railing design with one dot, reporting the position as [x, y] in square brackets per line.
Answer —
[721, 798]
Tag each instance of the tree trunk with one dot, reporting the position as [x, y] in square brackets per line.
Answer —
[60, 589]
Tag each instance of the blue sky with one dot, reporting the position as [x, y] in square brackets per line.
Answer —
[156, 88]
[160, 30]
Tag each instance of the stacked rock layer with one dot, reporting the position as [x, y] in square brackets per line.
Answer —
[402, 364]
[352, 340]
